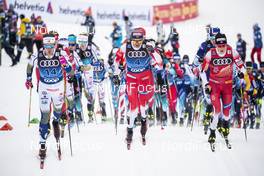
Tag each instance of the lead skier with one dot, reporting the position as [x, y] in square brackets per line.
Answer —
[138, 55]
[51, 87]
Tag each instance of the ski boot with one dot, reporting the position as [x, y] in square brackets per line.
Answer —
[143, 130]
[56, 129]
[246, 122]
[252, 122]
[78, 116]
[173, 116]
[63, 122]
[206, 123]
[122, 121]
[150, 117]
[226, 126]
[129, 137]
[181, 122]
[14, 62]
[90, 115]
[189, 123]
[158, 116]
[42, 151]
[164, 120]
[104, 119]
[90, 112]
[211, 139]
[42, 154]
[71, 119]
[137, 120]
[257, 123]
[220, 127]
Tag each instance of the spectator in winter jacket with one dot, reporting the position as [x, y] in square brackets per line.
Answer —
[9, 31]
[241, 47]
[89, 23]
[26, 34]
[40, 30]
[116, 36]
[257, 43]
[128, 26]
[174, 41]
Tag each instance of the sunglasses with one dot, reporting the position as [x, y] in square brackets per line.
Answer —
[72, 44]
[48, 46]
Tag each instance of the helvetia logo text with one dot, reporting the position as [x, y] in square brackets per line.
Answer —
[37, 7]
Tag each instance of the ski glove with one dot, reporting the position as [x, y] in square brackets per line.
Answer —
[116, 80]
[28, 84]
[207, 89]
[70, 79]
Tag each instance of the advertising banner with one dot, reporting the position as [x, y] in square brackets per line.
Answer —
[175, 12]
[65, 11]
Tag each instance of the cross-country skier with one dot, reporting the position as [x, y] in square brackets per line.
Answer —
[139, 78]
[51, 88]
[220, 61]
[173, 72]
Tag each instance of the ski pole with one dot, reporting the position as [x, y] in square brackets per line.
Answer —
[195, 106]
[75, 104]
[29, 108]
[245, 125]
[80, 96]
[68, 118]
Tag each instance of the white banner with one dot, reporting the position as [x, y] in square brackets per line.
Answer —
[70, 11]
[106, 14]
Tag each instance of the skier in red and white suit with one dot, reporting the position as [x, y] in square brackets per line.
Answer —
[138, 56]
[220, 61]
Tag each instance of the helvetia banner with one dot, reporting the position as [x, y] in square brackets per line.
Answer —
[65, 11]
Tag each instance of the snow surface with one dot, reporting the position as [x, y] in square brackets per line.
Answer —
[98, 151]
